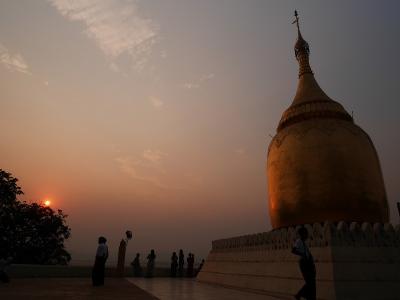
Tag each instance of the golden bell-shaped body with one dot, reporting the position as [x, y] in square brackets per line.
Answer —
[320, 165]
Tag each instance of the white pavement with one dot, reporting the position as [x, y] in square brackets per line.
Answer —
[189, 289]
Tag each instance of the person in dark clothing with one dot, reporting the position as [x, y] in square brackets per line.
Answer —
[174, 264]
[151, 258]
[307, 266]
[200, 266]
[4, 263]
[190, 264]
[137, 269]
[100, 262]
[181, 262]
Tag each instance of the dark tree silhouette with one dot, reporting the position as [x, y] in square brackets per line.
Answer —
[30, 233]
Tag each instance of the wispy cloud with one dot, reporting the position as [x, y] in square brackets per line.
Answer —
[198, 83]
[154, 156]
[150, 167]
[115, 25]
[240, 151]
[163, 54]
[191, 85]
[156, 102]
[132, 167]
[13, 62]
[147, 167]
[207, 77]
[114, 67]
[195, 178]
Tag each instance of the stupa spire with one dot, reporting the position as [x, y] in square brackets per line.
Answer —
[301, 50]
[310, 100]
[307, 88]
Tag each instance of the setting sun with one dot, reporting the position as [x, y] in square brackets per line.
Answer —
[47, 202]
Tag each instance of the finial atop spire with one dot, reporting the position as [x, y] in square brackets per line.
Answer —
[301, 49]
[296, 15]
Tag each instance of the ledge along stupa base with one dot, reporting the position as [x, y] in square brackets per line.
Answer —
[322, 169]
[353, 261]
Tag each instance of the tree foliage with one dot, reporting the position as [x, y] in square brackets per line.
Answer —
[30, 233]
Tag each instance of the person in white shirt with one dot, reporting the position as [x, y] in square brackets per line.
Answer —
[100, 262]
[307, 266]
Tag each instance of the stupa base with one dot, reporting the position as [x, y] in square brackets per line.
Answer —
[352, 262]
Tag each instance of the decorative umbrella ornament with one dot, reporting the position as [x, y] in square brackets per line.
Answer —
[129, 235]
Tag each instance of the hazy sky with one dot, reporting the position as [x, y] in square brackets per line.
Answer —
[155, 116]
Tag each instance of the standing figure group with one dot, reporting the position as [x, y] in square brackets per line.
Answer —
[137, 268]
[190, 265]
[178, 262]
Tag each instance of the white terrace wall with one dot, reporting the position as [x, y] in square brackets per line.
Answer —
[353, 261]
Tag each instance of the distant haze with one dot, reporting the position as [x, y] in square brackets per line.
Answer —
[155, 116]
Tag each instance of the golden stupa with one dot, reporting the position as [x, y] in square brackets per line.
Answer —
[320, 165]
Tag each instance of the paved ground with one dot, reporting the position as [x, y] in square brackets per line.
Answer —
[190, 289]
[121, 289]
[71, 288]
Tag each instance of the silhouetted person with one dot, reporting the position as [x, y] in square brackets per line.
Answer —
[100, 262]
[137, 269]
[174, 264]
[190, 264]
[181, 262]
[200, 266]
[3, 266]
[307, 266]
[150, 263]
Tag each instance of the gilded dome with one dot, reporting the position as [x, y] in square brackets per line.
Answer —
[320, 165]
